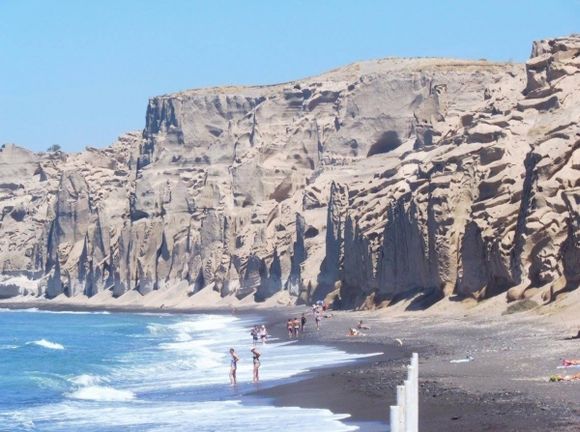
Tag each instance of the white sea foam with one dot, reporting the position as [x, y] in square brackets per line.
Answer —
[89, 387]
[47, 344]
[8, 347]
[19, 419]
[86, 380]
[101, 393]
[181, 417]
[202, 323]
[19, 310]
[70, 312]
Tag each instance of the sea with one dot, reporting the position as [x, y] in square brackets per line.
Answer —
[101, 371]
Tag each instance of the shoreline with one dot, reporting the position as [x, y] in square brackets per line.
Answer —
[504, 388]
[323, 387]
[453, 397]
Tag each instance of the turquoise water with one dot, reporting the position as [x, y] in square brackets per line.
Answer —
[76, 371]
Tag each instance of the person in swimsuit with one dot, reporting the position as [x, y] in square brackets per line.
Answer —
[290, 327]
[296, 325]
[362, 326]
[302, 323]
[317, 318]
[256, 359]
[254, 332]
[263, 333]
[233, 366]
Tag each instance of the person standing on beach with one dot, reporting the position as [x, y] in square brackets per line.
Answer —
[254, 333]
[302, 323]
[317, 318]
[290, 327]
[256, 359]
[296, 325]
[263, 333]
[233, 366]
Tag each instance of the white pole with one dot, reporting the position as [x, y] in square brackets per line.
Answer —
[408, 404]
[401, 403]
[405, 415]
[411, 418]
[415, 363]
[395, 420]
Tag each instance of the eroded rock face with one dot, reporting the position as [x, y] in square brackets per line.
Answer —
[382, 177]
[491, 206]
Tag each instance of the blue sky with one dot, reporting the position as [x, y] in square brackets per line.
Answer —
[79, 73]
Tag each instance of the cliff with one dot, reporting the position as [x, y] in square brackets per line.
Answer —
[381, 179]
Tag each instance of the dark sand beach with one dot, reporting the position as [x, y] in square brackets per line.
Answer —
[504, 388]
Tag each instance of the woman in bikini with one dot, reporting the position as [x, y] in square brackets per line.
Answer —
[317, 318]
[233, 366]
[256, 359]
[263, 333]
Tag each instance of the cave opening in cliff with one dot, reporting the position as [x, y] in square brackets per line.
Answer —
[388, 141]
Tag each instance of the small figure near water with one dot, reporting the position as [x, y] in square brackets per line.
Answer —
[296, 326]
[233, 366]
[290, 327]
[558, 377]
[256, 360]
[263, 333]
[362, 326]
[354, 332]
[302, 323]
[254, 332]
[317, 318]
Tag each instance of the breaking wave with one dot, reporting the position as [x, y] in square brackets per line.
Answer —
[47, 344]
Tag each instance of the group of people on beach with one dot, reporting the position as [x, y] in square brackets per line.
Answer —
[295, 326]
[234, 365]
[320, 310]
[259, 333]
[358, 330]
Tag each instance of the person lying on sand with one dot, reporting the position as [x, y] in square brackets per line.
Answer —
[571, 362]
[354, 332]
[556, 378]
[362, 326]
